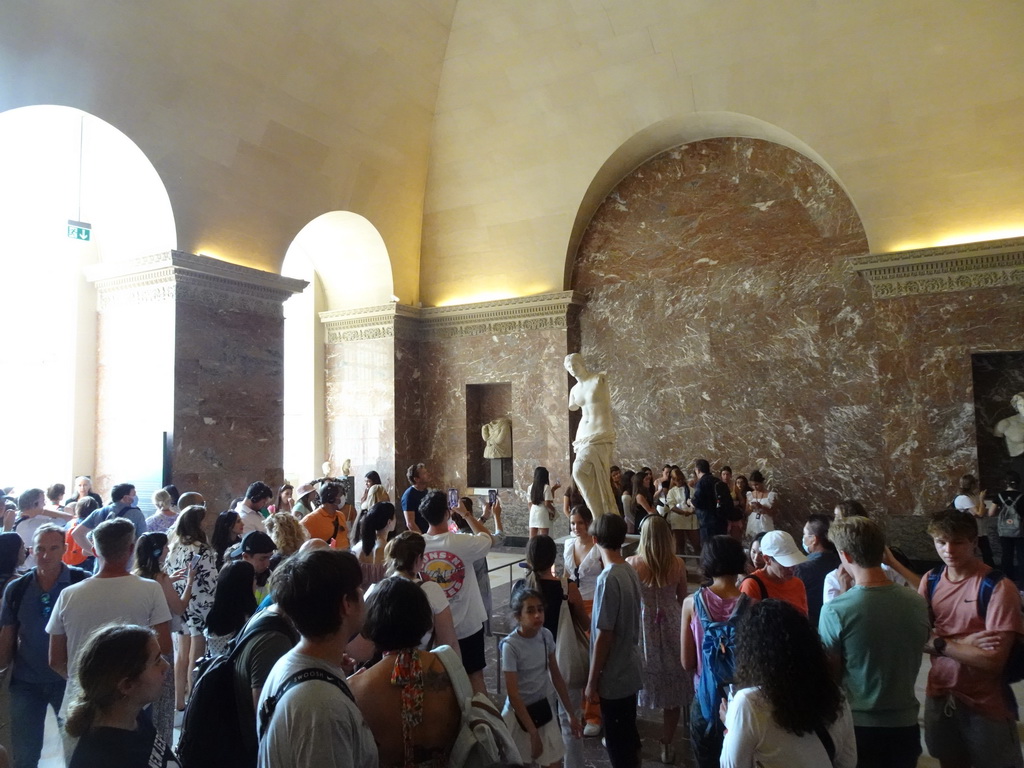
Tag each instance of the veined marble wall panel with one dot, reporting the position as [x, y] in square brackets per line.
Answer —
[532, 362]
[361, 407]
[721, 303]
[927, 399]
[228, 415]
[408, 377]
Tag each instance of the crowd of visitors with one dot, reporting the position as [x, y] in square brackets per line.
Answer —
[343, 622]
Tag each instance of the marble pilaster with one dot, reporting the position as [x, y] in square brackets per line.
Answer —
[191, 346]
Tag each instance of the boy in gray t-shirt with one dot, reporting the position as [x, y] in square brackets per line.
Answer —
[615, 666]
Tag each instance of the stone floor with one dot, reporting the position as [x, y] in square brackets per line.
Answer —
[503, 564]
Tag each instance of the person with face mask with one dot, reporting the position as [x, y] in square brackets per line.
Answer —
[777, 579]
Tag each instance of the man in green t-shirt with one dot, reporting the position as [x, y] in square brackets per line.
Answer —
[875, 633]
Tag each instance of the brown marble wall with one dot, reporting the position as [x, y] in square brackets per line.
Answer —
[194, 347]
[531, 361]
[720, 303]
[360, 389]
[926, 393]
[409, 410]
[228, 407]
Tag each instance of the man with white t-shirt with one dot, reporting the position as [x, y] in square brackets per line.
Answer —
[448, 561]
[112, 596]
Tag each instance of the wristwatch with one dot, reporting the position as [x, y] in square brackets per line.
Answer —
[939, 644]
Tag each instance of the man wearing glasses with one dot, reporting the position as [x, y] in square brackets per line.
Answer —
[28, 602]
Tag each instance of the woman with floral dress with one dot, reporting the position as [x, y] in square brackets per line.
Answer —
[188, 545]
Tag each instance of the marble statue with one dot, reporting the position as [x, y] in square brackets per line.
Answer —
[595, 436]
[498, 436]
[1011, 428]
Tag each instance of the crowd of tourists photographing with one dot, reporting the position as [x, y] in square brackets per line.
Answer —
[322, 624]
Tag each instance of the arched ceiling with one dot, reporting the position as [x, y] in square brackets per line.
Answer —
[258, 117]
[473, 133]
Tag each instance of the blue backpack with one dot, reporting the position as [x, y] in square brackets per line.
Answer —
[717, 657]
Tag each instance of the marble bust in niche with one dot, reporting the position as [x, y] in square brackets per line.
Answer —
[1011, 429]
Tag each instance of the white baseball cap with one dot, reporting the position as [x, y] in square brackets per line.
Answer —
[780, 546]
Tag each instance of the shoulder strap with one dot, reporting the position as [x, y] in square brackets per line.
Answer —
[262, 622]
[16, 589]
[302, 676]
[826, 741]
[760, 585]
[989, 582]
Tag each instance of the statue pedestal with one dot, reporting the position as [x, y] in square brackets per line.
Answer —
[500, 473]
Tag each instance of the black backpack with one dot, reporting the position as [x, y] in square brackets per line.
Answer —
[211, 729]
[724, 504]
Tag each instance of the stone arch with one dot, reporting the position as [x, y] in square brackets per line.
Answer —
[57, 164]
[721, 302]
[679, 129]
[344, 258]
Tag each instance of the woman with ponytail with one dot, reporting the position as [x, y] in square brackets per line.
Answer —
[373, 530]
[120, 672]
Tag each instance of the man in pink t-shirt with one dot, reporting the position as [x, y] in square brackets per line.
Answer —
[970, 718]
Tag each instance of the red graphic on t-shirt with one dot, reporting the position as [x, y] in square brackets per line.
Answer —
[446, 569]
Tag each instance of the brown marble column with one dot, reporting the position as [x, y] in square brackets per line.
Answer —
[190, 350]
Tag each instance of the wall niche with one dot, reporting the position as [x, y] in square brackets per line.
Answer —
[488, 405]
[997, 377]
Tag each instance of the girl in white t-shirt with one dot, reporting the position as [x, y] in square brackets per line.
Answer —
[789, 711]
[532, 678]
[542, 502]
[404, 556]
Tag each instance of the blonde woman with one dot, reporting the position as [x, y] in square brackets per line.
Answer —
[287, 532]
[165, 515]
[662, 591]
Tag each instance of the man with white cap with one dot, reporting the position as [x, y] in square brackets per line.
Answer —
[777, 579]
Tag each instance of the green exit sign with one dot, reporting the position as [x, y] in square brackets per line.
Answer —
[79, 230]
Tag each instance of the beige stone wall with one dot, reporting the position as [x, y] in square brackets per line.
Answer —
[258, 117]
[914, 106]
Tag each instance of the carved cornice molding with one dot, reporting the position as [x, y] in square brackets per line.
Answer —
[186, 277]
[989, 264]
[498, 318]
[379, 322]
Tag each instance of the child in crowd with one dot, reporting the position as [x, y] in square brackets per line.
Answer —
[616, 674]
[531, 677]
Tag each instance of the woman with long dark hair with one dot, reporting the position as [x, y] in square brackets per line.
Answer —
[626, 496]
[227, 532]
[542, 502]
[372, 532]
[233, 603]
[643, 498]
[789, 709]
